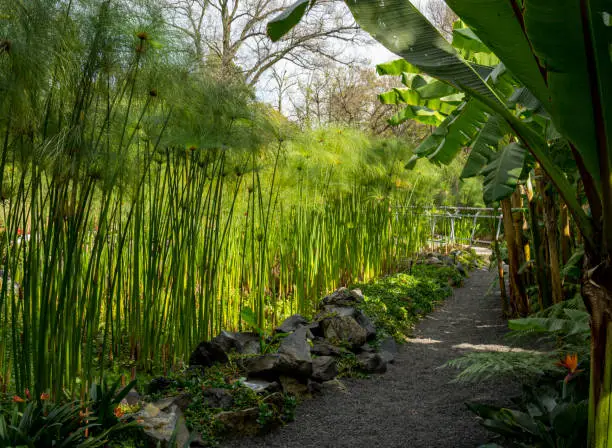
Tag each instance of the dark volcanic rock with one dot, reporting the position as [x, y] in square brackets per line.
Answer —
[324, 368]
[371, 363]
[296, 345]
[367, 325]
[291, 324]
[344, 329]
[207, 353]
[343, 297]
[271, 366]
[388, 350]
[217, 398]
[324, 348]
[244, 343]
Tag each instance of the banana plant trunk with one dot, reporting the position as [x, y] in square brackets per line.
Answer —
[552, 234]
[597, 295]
[518, 298]
[544, 295]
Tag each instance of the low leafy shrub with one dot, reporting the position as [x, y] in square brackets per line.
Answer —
[395, 302]
[545, 418]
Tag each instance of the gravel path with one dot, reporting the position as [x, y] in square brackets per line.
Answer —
[413, 405]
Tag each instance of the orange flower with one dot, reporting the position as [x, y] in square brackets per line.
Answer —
[571, 364]
[18, 399]
[118, 412]
[44, 396]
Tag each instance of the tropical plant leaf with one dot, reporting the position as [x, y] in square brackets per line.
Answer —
[503, 172]
[419, 113]
[485, 146]
[496, 25]
[286, 20]
[396, 68]
[403, 29]
[579, 91]
[454, 133]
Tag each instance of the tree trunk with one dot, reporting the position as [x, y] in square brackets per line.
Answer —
[544, 296]
[502, 282]
[519, 304]
[597, 296]
[552, 235]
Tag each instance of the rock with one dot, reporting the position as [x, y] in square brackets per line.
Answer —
[324, 368]
[388, 345]
[293, 386]
[296, 345]
[461, 269]
[263, 366]
[183, 401]
[448, 261]
[314, 387]
[217, 398]
[315, 328]
[388, 350]
[324, 348]
[160, 426]
[387, 357]
[206, 354]
[132, 397]
[247, 343]
[271, 366]
[337, 311]
[366, 348]
[160, 384]
[367, 324]
[261, 386]
[334, 385]
[291, 324]
[244, 343]
[434, 260]
[342, 297]
[372, 363]
[226, 340]
[242, 422]
[344, 329]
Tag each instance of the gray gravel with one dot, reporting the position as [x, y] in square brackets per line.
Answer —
[414, 404]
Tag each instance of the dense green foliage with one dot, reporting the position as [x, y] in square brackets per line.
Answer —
[395, 302]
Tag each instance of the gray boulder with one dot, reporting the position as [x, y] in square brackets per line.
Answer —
[291, 324]
[161, 421]
[217, 398]
[371, 363]
[367, 324]
[324, 368]
[242, 422]
[296, 345]
[337, 311]
[207, 353]
[343, 297]
[388, 350]
[271, 366]
[324, 348]
[262, 386]
[344, 329]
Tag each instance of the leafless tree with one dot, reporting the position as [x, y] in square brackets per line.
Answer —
[441, 16]
[348, 98]
[234, 32]
[282, 82]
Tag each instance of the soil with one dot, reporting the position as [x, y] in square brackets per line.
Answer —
[414, 404]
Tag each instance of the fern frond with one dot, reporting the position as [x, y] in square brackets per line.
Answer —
[481, 366]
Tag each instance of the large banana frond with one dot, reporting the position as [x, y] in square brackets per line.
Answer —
[485, 146]
[503, 172]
